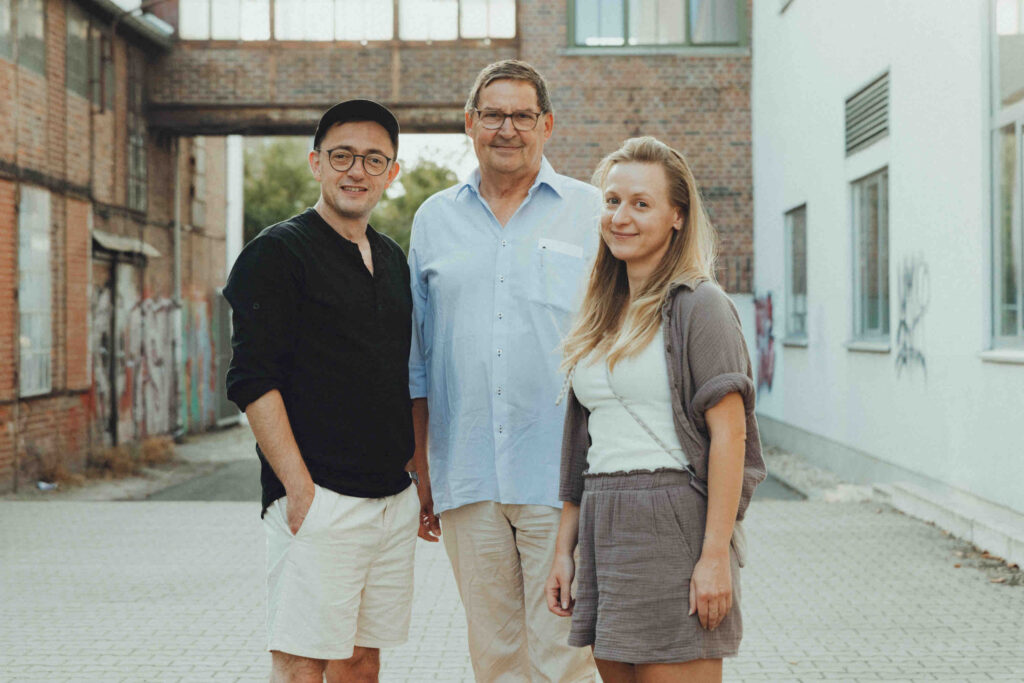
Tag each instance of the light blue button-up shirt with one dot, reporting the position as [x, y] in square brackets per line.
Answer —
[491, 305]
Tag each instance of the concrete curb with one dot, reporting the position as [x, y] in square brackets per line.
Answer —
[989, 527]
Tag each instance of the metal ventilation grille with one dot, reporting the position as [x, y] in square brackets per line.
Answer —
[867, 115]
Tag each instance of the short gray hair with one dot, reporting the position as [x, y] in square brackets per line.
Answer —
[515, 70]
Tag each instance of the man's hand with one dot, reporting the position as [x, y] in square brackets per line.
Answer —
[711, 588]
[558, 586]
[298, 505]
[430, 524]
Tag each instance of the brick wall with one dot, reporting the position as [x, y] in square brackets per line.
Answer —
[77, 151]
[698, 103]
[78, 243]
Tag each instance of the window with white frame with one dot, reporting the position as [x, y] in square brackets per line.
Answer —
[1008, 185]
[348, 20]
[871, 257]
[796, 273]
[453, 19]
[610, 23]
[34, 283]
[31, 23]
[6, 46]
[224, 19]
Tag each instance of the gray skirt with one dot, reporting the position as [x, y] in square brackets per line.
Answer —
[641, 534]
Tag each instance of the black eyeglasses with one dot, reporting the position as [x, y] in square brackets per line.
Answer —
[493, 119]
[342, 160]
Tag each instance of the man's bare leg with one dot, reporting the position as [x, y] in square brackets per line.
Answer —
[286, 668]
[362, 667]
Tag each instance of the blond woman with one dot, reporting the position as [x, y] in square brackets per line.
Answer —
[661, 452]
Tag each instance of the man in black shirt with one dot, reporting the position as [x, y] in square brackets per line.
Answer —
[322, 323]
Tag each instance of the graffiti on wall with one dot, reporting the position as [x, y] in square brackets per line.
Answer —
[101, 316]
[153, 320]
[765, 341]
[136, 390]
[201, 379]
[914, 293]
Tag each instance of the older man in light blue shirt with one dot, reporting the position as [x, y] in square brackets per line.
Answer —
[498, 266]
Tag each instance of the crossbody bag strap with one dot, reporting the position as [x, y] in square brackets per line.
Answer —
[643, 425]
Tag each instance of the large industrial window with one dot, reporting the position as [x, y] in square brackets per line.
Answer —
[796, 273]
[348, 20]
[136, 136]
[5, 29]
[101, 56]
[34, 304]
[1008, 185]
[871, 257]
[31, 25]
[612, 23]
[78, 64]
[452, 19]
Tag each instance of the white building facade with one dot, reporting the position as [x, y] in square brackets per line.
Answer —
[888, 194]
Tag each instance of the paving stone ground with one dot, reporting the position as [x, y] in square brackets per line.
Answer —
[130, 591]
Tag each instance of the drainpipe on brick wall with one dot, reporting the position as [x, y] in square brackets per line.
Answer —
[16, 327]
[179, 356]
[16, 435]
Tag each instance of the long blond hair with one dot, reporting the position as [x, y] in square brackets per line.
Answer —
[609, 319]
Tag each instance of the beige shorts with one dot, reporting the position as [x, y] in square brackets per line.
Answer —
[345, 578]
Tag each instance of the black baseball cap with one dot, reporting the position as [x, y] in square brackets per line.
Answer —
[357, 110]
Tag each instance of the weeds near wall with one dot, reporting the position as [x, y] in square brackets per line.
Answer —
[128, 459]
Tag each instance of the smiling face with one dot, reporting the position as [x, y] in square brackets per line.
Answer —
[352, 194]
[508, 151]
[638, 218]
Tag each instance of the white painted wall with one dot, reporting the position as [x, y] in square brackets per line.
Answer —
[959, 425]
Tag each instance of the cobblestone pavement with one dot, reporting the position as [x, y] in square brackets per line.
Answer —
[104, 591]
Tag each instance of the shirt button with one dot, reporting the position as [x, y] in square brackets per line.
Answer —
[500, 316]
[501, 278]
[504, 243]
[499, 391]
[501, 429]
[499, 353]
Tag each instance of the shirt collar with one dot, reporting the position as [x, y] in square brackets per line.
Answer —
[546, 176]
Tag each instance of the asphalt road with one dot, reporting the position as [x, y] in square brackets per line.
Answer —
[235, 481]
[240, 481]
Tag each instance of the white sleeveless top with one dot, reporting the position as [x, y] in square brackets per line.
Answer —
[618, 442]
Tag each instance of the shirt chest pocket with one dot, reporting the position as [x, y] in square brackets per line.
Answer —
[557, 272]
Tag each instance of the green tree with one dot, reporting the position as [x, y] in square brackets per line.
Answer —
[278, 183]
[393, 216]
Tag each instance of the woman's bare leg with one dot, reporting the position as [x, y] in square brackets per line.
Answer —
[615, 672]
[697, 671]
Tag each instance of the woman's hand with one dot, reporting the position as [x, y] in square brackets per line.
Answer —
[558, 586]
[711, 588]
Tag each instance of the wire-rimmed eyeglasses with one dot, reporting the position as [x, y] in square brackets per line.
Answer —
[492, 119]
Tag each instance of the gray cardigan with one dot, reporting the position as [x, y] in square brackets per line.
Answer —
[707, 359]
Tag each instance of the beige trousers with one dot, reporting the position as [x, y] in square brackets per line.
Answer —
[501, 555]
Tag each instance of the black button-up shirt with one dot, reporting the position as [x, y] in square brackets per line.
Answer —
[311, 321]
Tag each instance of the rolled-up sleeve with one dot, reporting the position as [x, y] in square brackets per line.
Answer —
[417, 356]
[717, 354]
[263, 292]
